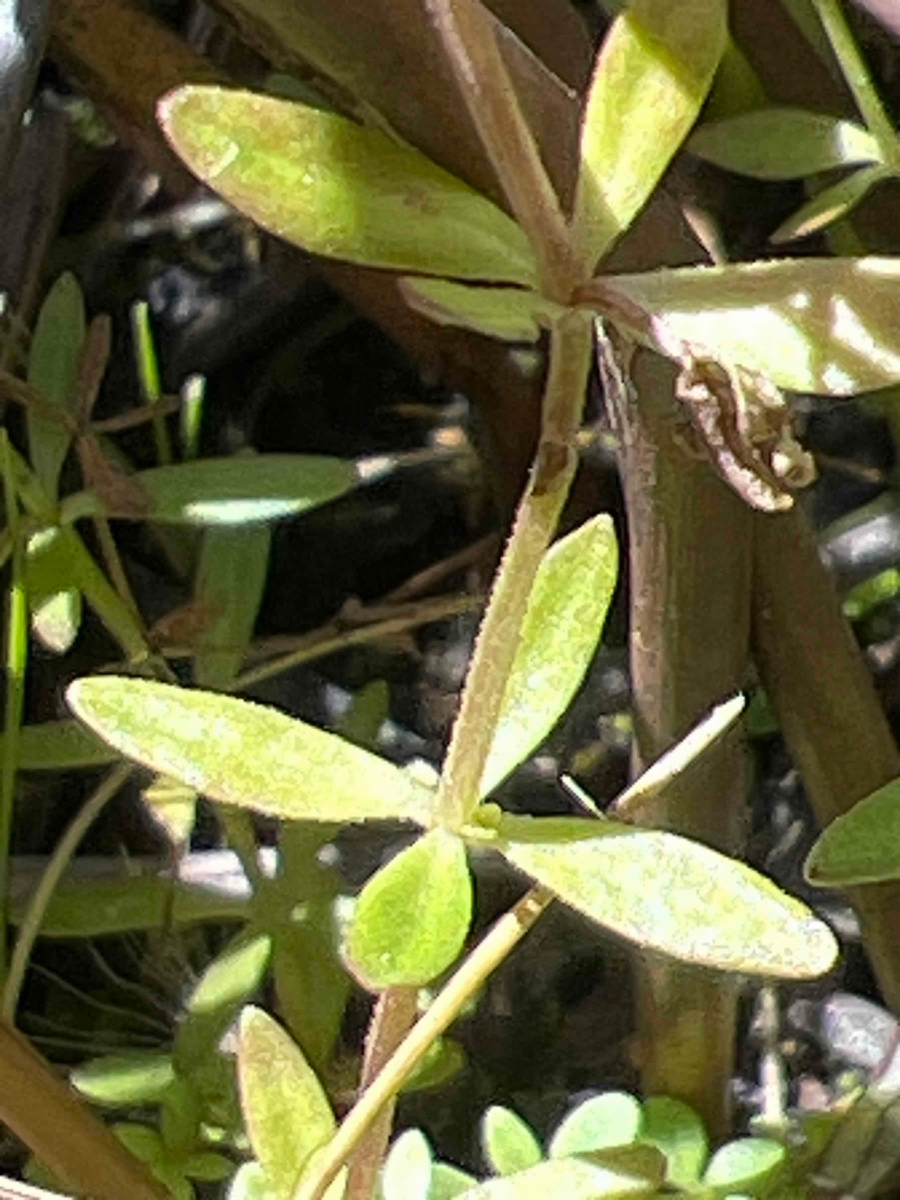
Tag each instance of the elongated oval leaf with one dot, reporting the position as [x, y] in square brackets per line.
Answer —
[285, 1107]
[566, 613]
[55, 606]
[121, 1081]
[810, 325]
[413, 915]
[745, 1166]
[784, 143]
[612, 1119]
[233, 976]
[231, 578]
[508, 1142]
[830, 205]
[60, 746]
[862, 846]
[406, 1174]
[510, 314]
[669, 894]
[341, 190]
[651, 78]
[675, 1129]
[572, 1178]
[244, 754]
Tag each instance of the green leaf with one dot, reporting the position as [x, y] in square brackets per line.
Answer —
[144, 1142]
[508, 1142]
[310, 983]
[234, 975]
[53, 366]
[250, 1182]
[827, 325]
[862, 846]
[449, 1182]
[612, 1119]
[285, 1107]
[244, 754]
[566, 613]
[830, 205]
[228, 590]
[406, 1174]
[678, 1132]
[60, 746]
[121, 1081]
[208, 1167]
[510, 314]
[55, 607]
[443, 1060]
[784, 143]
[571, 1178]
[173, 807]
[669, 894]
[412, 917]
[652, 76]
[745, 1165]
[341, 190]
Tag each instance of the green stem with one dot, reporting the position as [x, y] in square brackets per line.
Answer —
[571, 342]
[448, 1004]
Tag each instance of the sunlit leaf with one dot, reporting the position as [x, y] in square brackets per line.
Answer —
[55, 606]
[341, 190]
[675, 1129]
[412, 917]
[651, 78]
[862, 845]
[508, 1142]
[250, 1182]
[669, 894]
[784, 143]
[173, 806]
[233, 976]
[572, 1178]
[830, 205]
[406, 1174]
[510, 314]
[244, 754]
[566, 612]
[231, 577]
[285, 1107]
[611, 1119]
[60, 746]
[122, 1081]
[53, 366]
[826, 325]
[448, 1182]
[744, 1166]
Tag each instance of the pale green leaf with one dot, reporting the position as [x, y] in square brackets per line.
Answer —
[60, 746]
[652, 75]
[566, 612]
[53, 366]
[784, 143]
[228, 590]
[863, 845]
[508, 1142]
[406, 1174]
[208, 1167]
[233, 976]
[55, 606]
[745, 1165]
[341, 190]
[572, 1178]
[449, 1182]
[675, 1129]
[669, 894]
[56, 619]
[830, 205]
[244, 754]
[173, 807]
[285, 1107]
[122, 1081]
[412, 917]
[510, 314]
[828, 325]
[611, 1119]
[250, 1182]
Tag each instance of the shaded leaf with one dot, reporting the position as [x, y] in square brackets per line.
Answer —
[827, 325]
[784, 143]
[611, 1119]
[572, 1178]
[341, 190]
[862, 845]
[55, 607]
[121, 1081]
[310, 983]
[443, 1059]
[412, 917]
[669, 894]
[566, 612]
[510, 314]
[644, 1162]
[233, 976]
[285, 1108]
[173, 807]
[830, 205]
[675, 1129]
[745, 1165]
[144, 1142]
[651, 78]
[508, 1142]
[244, 754]
[406, 1173]
[53, 367]
[60, 746]
[208, 1167]
[231, 577]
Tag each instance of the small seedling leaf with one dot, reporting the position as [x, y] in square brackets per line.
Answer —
[286, 1110]
[60, 746]
[862, 846]
[412, 917]
[566, 613]
[508, 1142]
[573, 1178]
[341, 190]
[510, 314]
[826, 325]
[233, 976]
[675, 1129]
[669, 894]
[745, 1165]
[612, 1119]
[53, 366]
[244, 754]
[122, 1081]
[406, 1174]
[784, 143]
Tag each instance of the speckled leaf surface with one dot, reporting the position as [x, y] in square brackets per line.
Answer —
[572, 1178]
[863, 845]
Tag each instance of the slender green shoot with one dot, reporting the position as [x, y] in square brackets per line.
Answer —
[148, 373]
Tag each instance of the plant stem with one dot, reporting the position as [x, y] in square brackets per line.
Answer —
[571, 341]
[463, 985]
